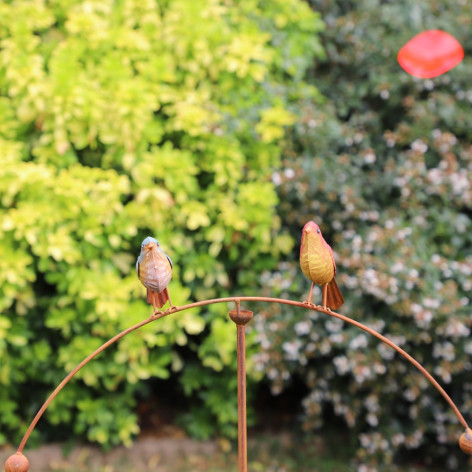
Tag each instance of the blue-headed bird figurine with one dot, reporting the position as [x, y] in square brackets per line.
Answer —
[154, 269]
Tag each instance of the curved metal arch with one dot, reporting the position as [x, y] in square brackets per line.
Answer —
[175, 309]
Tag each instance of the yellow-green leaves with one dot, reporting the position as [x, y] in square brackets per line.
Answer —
[120, 120]
[273, 120]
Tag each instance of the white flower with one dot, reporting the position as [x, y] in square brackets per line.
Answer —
[292, 349]
[333, 325]
[359, 341]
[303, 327]
[443, 373]
[397, 267]
[362, 373]
[398, 439]
[372, 419]
[276, 179]
[429, 302]
[289, 173]
[341, 364]
[272, 374]
[379, 368]
[419, 145]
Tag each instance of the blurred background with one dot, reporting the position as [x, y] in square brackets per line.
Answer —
[221, 128]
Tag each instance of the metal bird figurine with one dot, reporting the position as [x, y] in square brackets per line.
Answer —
[317, 263]
[154, 269]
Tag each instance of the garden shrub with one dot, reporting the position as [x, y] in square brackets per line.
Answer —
[119, 120]
[385, 168]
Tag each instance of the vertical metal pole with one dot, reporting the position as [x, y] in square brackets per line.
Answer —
[242, 421]
[241, 318]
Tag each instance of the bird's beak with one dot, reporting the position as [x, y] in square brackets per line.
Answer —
[150, 246]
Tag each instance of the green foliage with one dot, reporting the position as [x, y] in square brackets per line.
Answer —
[120, 119]
[385, 168]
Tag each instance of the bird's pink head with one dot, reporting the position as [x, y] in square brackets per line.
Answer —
[312, 228]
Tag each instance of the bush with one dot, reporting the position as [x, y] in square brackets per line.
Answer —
[384, 166]
[119, 120]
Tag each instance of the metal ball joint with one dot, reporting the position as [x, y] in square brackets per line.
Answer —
[465, 441]
[17, 463]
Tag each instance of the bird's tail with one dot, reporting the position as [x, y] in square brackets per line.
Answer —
[157, 299]
[334, 298]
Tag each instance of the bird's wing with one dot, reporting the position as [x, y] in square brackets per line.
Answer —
[332, 256]
[168, 258]
[137, 266]
[170, 261]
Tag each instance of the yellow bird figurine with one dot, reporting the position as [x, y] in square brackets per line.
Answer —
[317, 263]
[154, 269]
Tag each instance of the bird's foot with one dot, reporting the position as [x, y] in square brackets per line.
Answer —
[316, 307]
[324, 307]
[157, 313]
[309, 303]
[171, 309]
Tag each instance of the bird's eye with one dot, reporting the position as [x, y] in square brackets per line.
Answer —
[318, 230]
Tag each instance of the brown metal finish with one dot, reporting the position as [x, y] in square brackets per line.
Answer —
[17, 463]
[242, 415]
[465, 441]
[72, 373]
[240, 316]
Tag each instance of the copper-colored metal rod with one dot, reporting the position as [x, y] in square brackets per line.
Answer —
[73, 372]
[242, 414]
[365, 328]
[241, 318]
[407, 356]
[175, 309]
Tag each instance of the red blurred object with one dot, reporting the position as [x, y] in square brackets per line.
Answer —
[430, 53]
